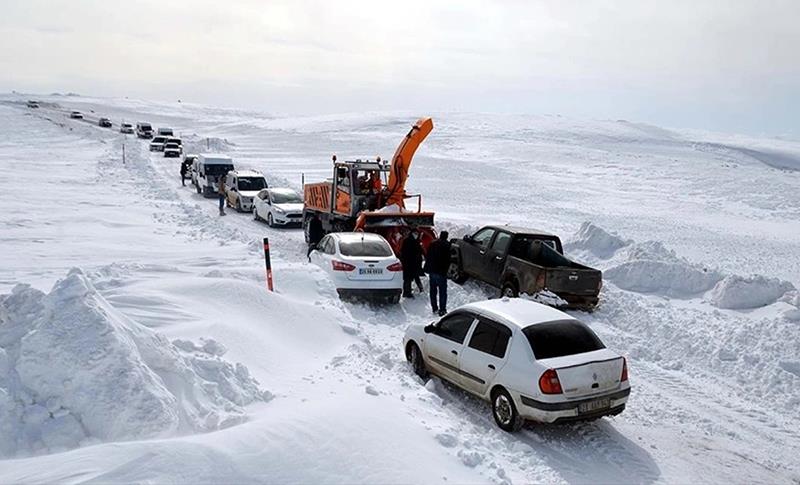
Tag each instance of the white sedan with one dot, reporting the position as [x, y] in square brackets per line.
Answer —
[532, 362]
[361, 265]
[279, 207]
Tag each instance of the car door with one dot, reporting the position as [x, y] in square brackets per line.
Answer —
[484, 355]
[322, 254]
[495, 257]
[473, 251]
[259, 203]
[443, 346]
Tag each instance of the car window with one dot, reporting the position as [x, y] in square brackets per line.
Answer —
[454, 327]
[263, 195]
[365, 247]
[482, 237]
[286, 197]
[501, 242]
[490, 337]
[252, 183]
[330, 246]
[560, 338]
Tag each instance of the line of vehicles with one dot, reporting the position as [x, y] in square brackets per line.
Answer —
[531, 362]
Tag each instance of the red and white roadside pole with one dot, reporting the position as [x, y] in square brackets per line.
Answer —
[269, 264]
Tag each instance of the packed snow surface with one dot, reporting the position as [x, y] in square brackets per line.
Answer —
[138, 342]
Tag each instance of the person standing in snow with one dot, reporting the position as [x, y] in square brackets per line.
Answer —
[437, 263]
[315, 234]
[221, 193]
[411, 259]
[184, 168]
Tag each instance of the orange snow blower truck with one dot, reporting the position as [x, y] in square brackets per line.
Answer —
[370, 196]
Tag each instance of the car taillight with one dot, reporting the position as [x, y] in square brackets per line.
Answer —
[340, 266]
[549, 383]
[395, 267]
[624, 376]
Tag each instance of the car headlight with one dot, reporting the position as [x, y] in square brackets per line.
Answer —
[279, 210]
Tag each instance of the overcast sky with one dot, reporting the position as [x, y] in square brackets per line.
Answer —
[730, 65]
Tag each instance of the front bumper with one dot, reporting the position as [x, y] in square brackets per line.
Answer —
[567, 411]
[287, 219]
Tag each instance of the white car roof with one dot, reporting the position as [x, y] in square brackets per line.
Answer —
[517, 311]
[248, 173]
[357, 236]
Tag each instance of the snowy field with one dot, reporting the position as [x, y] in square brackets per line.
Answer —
[138, 342]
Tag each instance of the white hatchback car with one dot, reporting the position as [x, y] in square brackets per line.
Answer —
[361, 265]
[279, 207]
[531, 361]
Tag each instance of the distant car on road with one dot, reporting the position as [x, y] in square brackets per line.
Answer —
[361, 264]
[104, 122]
[33, 104]
[76, 115]
[530, 361]
[157, 143]
[144, 130]
[177, 141]
[165, 132]
[126, 128]
[279, 207]
[241, 187]
[172, 150]
[188, 162]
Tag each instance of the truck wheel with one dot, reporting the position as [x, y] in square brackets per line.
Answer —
[455, 273]
[509, 290]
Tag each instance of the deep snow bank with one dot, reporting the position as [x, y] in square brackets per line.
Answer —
[595, 240]
[73, 370]
[651, 268]
[737, 292]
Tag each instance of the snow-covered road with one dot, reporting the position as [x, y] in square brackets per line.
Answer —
[676, 221]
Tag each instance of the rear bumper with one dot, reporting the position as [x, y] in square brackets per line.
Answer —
[172, 154]
[579, 302]
[368, 293]
[566, 411]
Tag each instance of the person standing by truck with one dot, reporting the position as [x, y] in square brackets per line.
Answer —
[221, 194]
[437, 262]
[315, 234]
[411, 259]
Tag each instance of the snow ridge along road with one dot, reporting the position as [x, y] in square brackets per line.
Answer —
[716, 390]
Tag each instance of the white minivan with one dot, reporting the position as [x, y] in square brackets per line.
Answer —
[211, 171]
[362, 265]
[530, 361]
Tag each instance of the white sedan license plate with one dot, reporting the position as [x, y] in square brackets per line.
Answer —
[370, 271]
[596, 405]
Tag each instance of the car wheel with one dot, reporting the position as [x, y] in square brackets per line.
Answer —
[255, 214]
[509, 290]
[417, 362]
[505, 412]
[270, 222]
[198, 189]
[455, 273]
[239, 205]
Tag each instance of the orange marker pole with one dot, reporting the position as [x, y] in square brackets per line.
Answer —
[269, 265]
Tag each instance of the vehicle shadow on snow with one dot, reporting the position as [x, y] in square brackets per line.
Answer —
[587, 452]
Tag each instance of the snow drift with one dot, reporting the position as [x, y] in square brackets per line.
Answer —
[596, 240]
[737, 292]
[73, 370]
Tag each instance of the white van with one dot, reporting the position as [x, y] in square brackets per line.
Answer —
[211, 171]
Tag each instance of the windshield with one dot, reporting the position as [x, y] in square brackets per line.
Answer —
[286, 197]
[172, 146]
[560, 338]
[252, 183]
[159, 139]
[365, 247]
[218, 169]
[146, 126]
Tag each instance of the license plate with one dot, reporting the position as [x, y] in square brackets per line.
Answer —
[596, 405]
[369, 271]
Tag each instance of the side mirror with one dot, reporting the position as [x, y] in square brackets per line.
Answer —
[430, 327]
[468, 238]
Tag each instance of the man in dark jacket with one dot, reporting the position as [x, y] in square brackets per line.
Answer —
[437, 263]
[411, 259]
[184, 170]
[315, 234]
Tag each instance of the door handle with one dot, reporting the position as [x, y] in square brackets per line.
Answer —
[454, 352]
[483, 252]
[491, 366]
[498, 258]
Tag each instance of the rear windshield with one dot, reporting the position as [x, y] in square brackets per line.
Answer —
[218, 169]
[560, 338]
[146, 126]
[252, 183]
[365, 247]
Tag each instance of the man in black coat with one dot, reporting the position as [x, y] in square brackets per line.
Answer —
[411, 259]
[315, 234]
[437, 263]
